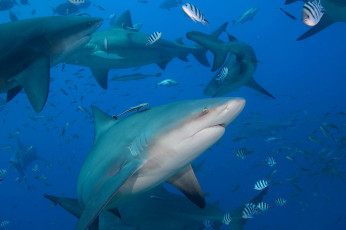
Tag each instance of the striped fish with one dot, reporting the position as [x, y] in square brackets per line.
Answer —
[222, 75]
[3, 172]
[207, 222]
[76, 2]
[194, 13]
[249, 210]
[271, 161]
[154, 37]
[241, 153]
[4, 224]
[262, 206]
[280, 201]
[227, 219]
[261, 184]
[312, 12]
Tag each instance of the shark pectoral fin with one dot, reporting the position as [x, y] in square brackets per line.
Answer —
[216, 33]
[183, 58]
[254, 85]
[106, 192]
[69, 204]
[231, 38]
[13, 92]
[324, 23]
[162, 64]
[101, 76]
[115, 211]
[186, 181]
[102, 122]
[35, 81]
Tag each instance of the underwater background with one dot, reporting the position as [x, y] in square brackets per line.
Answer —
[304, 128]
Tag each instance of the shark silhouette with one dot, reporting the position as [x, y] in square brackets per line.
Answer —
[123, 46]
[242, 64]
[134, 154]
[31, 46]
[159, 209]
[334, 11]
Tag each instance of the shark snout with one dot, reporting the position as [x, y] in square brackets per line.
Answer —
[230, 110]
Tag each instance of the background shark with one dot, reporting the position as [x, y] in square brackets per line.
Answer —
[24, 157]
[242, 64]
[334, 11]
[134, 154]
[30, 47]
[122, 46]
[157, 208]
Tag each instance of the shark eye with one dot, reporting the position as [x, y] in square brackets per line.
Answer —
[205, 111]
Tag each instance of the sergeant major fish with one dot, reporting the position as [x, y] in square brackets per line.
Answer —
[312, 12]
[261, 184]
[194, 13]
[154, 37]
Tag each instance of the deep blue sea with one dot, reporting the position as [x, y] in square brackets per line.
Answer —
[304, 128]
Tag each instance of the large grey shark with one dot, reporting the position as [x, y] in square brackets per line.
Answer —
[122, 46]
[134, 154]
[159, 209]
[30, 47]
[242, 64]
[334, 11]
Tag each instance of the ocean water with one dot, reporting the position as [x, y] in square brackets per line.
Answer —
[308, 117]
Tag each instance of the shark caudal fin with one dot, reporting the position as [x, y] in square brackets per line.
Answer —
[324, 23]
[254, 85]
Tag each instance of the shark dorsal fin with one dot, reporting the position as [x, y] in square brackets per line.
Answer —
[231, 38]
[102, 122]
[179, 40]
[124, 20]
[186, 181]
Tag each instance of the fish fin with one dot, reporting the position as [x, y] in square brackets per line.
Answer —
[216, 33]
[123, 19]
[163, 64]
[200, 53]
[102, 122]
[231, 38]
[115, 211]
[101, 76]
[213, 44]
[324, 23]
[35, 81]
[137, 26]
[106, 192]
[95, 224]
[183, 58]
[69, 204]
[179, 40]
[186, 181]
[254, 85]
[13, 92]
[292, 1]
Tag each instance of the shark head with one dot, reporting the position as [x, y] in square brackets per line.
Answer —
[137, 153]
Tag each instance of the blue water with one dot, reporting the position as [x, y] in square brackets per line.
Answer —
[306, 77]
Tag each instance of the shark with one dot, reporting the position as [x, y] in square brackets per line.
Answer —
[30, 47]
[334, 11]
[168, 4]
[24, 157]
[159, 207]
[134, 154]
[242, 64]
[123, 46]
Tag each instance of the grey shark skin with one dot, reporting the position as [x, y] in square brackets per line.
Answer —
[247, 16]
[334, 11]
[122, 46]
[168, 4]
[136, 153]
[242, 64]
[159, 209]
[31, 46]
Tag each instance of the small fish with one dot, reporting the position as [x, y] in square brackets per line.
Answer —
[241, 153]
[261, 184]
[12, 135]
[222, 75]
[155, 197]
[167, 82]
[249, 210]
[207, 223]
[236, 188]
[312, 12]
[76, 2]
[271, 161]
[297, 187]
[84, 110]
[35, 168]
[289, 158]
[3, 172]
[262, 206]
[227, 219]
[194, 13]
[4, 224]
[272, 173]
[280, 201]
[273, 139]
[314, 139]
[5, 147]
[64, 129]
[154, 37]
[100, 7]
[63, 91]
[105, 44]
[288, 14]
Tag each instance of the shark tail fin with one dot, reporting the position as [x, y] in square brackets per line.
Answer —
[324, 23]
[254, 85]
[69, 204]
